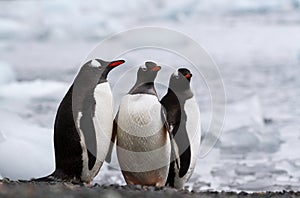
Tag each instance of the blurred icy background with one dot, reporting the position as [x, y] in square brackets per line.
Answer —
[255, 43]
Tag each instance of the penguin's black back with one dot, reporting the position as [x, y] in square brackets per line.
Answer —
[68, 151]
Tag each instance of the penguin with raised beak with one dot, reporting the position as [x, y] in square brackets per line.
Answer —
[83, 124]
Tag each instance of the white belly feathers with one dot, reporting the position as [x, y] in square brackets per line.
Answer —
[103, 119]
[103, 122]
[143, 142]
[140, 115]
[193, 128]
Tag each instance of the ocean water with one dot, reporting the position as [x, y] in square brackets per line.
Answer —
[255, 45]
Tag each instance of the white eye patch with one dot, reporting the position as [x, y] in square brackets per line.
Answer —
[95, 63]
[143, 67]
[176, 74]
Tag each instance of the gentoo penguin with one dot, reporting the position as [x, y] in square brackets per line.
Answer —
[143, 142]
[83, 124]
[183, 117]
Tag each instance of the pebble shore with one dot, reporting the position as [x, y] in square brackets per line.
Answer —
[68, 190]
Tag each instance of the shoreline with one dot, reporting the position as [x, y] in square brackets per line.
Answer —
[58, 189]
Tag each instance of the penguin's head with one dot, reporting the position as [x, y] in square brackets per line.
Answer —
[148, 72]
[100, 68]
[180, 80]
[104, 65]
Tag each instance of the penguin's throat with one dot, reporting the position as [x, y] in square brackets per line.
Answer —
[182, 94]
[143, 87]
[145, 84]
[103, 77]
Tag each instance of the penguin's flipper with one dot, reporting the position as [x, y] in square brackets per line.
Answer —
[175, 153]
[184, 150]
[174, 148]
[112, 142]
[174, 160]
[164, 119]
[185, 160]
[49, 178]
[87, 126]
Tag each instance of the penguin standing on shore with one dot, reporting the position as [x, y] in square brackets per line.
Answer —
[143, 142]
[83, 124]
[183, 118]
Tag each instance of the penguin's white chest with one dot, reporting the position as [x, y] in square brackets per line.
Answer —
[103, 121]
[193, 129]
[193, 124]
[140, 115]
[143, 143]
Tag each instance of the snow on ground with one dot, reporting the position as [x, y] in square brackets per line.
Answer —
[25, 149]
[256, 45]
[26, 112]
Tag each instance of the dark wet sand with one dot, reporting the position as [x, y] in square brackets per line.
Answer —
[68, 190]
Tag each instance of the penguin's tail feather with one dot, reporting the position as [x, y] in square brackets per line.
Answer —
[57, 177]
[49, 178]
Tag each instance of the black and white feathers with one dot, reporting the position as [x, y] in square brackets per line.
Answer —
[183, 118]
[83, 124]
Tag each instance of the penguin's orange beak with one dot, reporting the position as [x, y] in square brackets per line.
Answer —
[188, 76]
[156, 68]
[116, 63]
